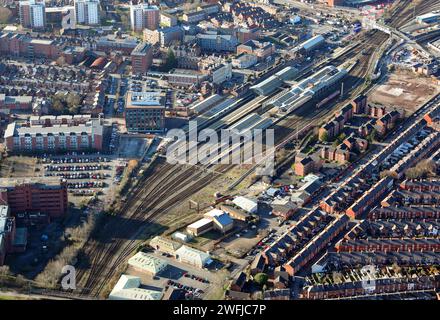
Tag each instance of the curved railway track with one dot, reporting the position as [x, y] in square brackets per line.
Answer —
[165, 186]
[405, 10]
[118, 237]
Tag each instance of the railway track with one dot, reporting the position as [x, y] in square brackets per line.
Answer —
[305, 116]
[116, 238]
[161, 189]
[406, 10]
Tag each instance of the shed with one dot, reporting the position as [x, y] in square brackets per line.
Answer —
[148, 263]
[246, 204]
[193, 256]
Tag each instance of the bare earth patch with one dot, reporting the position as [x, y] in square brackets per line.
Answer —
[404, 90]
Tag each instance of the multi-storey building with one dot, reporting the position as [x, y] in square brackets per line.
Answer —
[54, 137]
[217, 42]
[145, 111]
[111, 43]
[141, 58]
[87, 12]
[261, 50]
[144, 16]
[24, 45]
[45, 194]
[167, 20]
[61, 17]
[188, 57]
[186, 78]
[244, 34]
[32, 14]
[244, 61]
[194, 17]
[221, 73]
[163, 36]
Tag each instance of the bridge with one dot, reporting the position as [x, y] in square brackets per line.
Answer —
[373, 24]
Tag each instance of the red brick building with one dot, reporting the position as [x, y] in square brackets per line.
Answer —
[15, 102]
[48, 195]
[141, 58]
[54, 137]
[388, 245]
[359, 104]
[400, 212]
[22, 45]
[305, 164]
[259, 49]
[7, 232]
[376, 111]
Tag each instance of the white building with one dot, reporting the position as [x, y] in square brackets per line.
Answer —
[164, 245]
[32, 14]
[181, 236]
[222, 73]
[127, 288]
[193, 256]
[244, 61]
[87, 12]
[148, 263]
[246, 204]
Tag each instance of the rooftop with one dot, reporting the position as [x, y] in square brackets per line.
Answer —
[147, 262]
[141, 49]
[46, 181]
[145, 99]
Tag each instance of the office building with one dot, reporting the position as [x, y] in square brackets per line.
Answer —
[145, 111]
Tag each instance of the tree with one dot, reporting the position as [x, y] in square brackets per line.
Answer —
[424, 167]
[261, 278]
[5, 15]
[171, 62]
[61, 61]
[342, 137]
[388, 173]
[4, 271]
[66, 104]
[323, 136]
[372, 137]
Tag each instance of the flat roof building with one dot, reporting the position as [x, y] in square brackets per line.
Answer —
[87, 12]
[38, 194]
[431, 17]
[54, 137]
[145, 111]
[144, 16]
[32, 14]
[141, 58]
